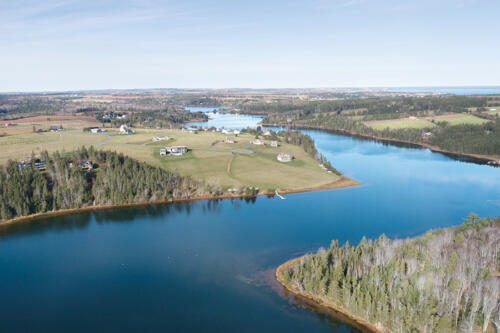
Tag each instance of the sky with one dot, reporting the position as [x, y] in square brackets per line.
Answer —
[61, 45]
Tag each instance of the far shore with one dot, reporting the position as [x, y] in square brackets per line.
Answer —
[369, 327]
[478, 158]
[340, 183]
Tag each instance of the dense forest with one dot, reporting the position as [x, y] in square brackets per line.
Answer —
[443, 281]
[68, 182]
[374, 108]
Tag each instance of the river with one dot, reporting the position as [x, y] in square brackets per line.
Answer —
[208, 265]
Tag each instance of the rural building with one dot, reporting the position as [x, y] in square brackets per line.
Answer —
[163, 152]
[125, 130]
[55, 128]
[257, 142]
[284, 157]
[86, 165]
[274, 144]
[236, 132]
[160, 138]
[95, 130]
[175, 150]
[229, 140]
[192, 129]
[266, 133]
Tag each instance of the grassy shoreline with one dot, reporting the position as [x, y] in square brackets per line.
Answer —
[340, 183]
[369, 327]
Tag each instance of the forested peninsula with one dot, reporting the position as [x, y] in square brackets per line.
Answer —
[87, 178]
[443, 281]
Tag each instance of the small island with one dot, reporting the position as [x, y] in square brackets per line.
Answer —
[443, 281]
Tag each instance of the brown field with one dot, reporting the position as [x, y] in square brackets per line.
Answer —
[25, 125]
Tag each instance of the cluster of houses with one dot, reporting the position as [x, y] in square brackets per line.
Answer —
[174, 150]
[85, 165]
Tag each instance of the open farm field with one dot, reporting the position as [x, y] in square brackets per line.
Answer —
[209, 159]
[399, 123]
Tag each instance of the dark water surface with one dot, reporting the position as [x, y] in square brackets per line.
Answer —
[208, 266]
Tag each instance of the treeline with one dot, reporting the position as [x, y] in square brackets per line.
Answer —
[375, 107]
[473, 139]
[114, 179]
[443, 281]
[477, 139]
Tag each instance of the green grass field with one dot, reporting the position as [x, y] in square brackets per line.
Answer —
[473, 120]
[206, 161]
[397, 124]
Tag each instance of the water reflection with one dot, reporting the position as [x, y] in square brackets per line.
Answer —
[131, 214]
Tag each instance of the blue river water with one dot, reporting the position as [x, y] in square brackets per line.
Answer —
[208, 265]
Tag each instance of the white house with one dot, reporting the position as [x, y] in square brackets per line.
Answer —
[236, 132]
[229, 140]
[266, 133]
[274, 144]
[95, 130]
[284, 157]
[160, 138]
[163, 152]
[257, 142]
[125, 130]
[176, 150]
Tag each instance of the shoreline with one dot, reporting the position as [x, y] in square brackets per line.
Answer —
[369, 327]
[340, 183]
[477, 158]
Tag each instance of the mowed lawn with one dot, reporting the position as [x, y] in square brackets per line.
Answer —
[467, 119]
[399, 123]
[206, 161]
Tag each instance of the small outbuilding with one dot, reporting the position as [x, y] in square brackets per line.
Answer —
[257, 142]
[284, 157]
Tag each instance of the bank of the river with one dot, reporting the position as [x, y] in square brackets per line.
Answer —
[477, 158]
[322, 301]
[340, 183]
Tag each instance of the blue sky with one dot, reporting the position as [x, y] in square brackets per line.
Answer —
[99, 44]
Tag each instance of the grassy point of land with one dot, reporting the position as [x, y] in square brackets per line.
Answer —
[209, 160]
